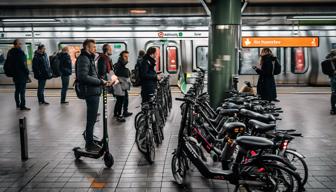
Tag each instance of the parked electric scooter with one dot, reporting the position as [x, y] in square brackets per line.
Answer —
[108, 158]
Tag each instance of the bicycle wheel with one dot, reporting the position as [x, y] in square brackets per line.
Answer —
[140, 136]
[150, 148]
[157, 133]
[270, 177]
[300, 164]
[137, 119]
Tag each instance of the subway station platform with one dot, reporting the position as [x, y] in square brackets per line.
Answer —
[55, 129]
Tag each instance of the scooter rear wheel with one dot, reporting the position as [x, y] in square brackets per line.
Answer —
[77, 156]
[108, 160]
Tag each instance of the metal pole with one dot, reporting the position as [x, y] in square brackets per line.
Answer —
[223, 47]
[23, 139]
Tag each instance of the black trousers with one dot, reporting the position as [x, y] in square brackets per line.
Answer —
[20, 97]
[125, 103]
[333, 101]
[92, 104]
[118, 105]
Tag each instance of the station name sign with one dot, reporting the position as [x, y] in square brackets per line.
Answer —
[249, 42]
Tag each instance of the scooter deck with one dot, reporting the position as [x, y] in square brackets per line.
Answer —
[79, 152]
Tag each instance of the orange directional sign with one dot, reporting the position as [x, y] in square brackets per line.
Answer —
[280, 42]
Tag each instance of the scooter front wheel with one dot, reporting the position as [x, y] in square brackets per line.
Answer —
[179, 169]
[108, 160]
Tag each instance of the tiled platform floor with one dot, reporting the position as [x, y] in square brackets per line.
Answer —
[54, 130]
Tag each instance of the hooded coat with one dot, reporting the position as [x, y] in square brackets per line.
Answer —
[266, 87]
[41, 66]
[148, 75]
[20, 61]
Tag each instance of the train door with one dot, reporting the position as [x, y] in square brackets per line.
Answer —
[167, 57]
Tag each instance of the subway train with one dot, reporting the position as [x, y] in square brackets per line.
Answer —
[180, 49]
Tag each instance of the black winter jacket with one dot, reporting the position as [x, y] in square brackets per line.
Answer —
[19, 59]
[87, 75]
[65, 64]
[41, 67]
[148, 75]
[120, 69]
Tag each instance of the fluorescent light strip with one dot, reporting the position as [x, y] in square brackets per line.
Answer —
[311, 18]
[28, 20]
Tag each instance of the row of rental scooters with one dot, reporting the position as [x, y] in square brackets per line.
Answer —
[238, 142]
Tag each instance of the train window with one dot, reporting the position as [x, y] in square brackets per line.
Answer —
[298, 64]
[202, 57]
[5, 47]
[333, 46]
[250, 57]
[117, 48]
[172, 59]
[74, 49]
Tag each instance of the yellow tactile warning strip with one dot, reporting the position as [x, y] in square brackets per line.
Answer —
[136, 91]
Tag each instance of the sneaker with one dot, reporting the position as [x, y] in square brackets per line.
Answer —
[121, 119]
[64, 102]
[333, 112]
[45, 103]
[24, 108]
[276, 100]
[92, 147]
[127, 114]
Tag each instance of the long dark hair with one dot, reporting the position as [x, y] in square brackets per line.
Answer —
[265, 51]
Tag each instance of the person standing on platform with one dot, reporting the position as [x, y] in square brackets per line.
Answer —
[66, 71]
[42, 72]
[87, 76]
[148, 75]
[123, 74]
[266, 86]
[331, 57]
[104, 64]
[17, 58]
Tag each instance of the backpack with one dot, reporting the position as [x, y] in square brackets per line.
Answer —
[55, 65]
[328, 68]
[276, 67]
[80, 89]
[9, 66]
[135, 75]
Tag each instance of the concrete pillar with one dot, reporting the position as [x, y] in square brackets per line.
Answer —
[223, 48]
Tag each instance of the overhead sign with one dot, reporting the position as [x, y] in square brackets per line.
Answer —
[280, 42]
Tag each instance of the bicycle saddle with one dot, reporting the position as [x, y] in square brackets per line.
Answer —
[260, 127]
[234, 127]
[266, 118]
[253, 142]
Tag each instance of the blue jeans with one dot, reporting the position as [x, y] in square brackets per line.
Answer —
[20, 91]
[40, 90]
[65, 85]
[92, 104]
